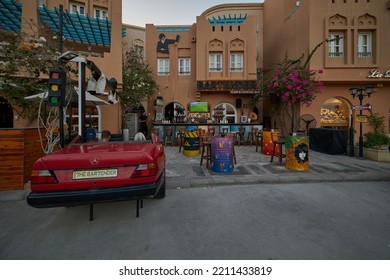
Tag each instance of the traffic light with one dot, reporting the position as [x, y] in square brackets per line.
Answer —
[57, 87]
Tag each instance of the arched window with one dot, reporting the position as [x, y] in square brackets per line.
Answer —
[225, 112]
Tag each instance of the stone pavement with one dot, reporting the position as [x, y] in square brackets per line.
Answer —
[255, 168]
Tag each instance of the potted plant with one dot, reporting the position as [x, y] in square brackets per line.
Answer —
[376, 143]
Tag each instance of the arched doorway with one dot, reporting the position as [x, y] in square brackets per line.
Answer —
[6, 114]
[174, 112]
[336, 113]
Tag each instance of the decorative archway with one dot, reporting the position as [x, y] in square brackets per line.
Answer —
[336, 113]
[174, 112]
[225, 112]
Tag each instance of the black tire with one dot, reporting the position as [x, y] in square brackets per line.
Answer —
[161, 191]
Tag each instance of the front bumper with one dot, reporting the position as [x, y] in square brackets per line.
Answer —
[91, 196]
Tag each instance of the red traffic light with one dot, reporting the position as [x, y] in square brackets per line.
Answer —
[55, 75]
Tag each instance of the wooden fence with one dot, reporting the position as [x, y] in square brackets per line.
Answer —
[19, 149]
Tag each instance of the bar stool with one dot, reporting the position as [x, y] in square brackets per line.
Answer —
[206, 150]
[168, 136]
[259, 141]
[252, 135]
[277, 142]
[225, 130]
[181, 137]
[240, 136]
[211, 130]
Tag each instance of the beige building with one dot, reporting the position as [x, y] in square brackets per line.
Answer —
[213, 62]
[359, 58]
[264, 35]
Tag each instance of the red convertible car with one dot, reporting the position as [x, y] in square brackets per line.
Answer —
[87, 173]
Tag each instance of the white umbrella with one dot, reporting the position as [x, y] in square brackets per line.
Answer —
[89, 98]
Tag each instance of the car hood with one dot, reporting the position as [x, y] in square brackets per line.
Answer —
[102, 155]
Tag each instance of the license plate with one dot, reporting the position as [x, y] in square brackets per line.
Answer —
[93, 174]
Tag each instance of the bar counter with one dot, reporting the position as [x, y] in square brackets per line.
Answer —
[232, 127]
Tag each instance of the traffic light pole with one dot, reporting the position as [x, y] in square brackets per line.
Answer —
[82, 103]
[61, 108]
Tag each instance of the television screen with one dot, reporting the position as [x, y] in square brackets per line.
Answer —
[199, 107]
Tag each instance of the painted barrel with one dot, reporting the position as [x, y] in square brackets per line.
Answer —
[222, 154]
[191, 143]
[267, 144]
[297, 153]
[191, 127]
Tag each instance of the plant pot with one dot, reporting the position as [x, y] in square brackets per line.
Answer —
[374, 154]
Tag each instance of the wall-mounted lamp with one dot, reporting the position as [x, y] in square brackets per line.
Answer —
[68, 56]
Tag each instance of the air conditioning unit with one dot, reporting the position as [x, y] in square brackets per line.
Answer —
[193, 40]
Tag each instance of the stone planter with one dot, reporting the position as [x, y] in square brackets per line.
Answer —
[374, 154]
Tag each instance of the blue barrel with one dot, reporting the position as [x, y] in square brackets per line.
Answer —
[222, 154]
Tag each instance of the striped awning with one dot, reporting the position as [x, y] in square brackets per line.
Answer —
[228, 20]
[10, 15]
[79, 28]
[76, 27]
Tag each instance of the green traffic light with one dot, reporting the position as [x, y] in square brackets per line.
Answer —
[54, 100]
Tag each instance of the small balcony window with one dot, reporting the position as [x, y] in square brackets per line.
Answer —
[215, 62]
[184, 66]
[77, 8]
[336, 45]
[163, 67]
[237, 62]
[364, 47]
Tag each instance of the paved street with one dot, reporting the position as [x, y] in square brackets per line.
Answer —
[338, 209]
[264, 221]
[255, 167]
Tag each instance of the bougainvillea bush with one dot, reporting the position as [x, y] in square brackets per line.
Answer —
[288, 85]
[293, 86]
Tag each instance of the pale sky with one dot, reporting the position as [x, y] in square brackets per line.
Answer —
[169, 12]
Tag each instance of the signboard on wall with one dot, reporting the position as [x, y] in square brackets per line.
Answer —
[362, 118]
[361, 107]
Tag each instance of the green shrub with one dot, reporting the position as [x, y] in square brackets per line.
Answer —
[375, 139]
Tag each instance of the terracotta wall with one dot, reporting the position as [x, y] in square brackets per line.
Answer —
[310, 24]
